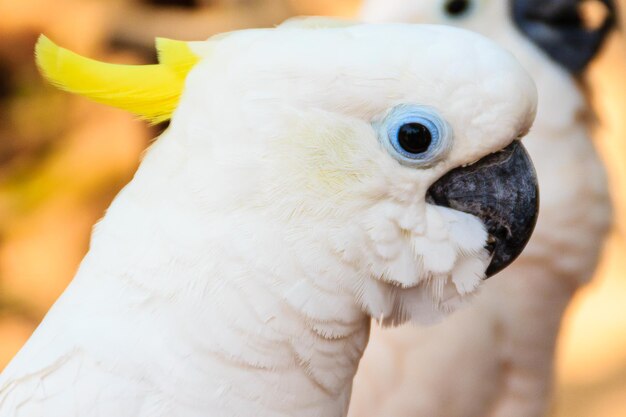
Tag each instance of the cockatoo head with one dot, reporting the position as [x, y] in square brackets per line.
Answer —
[558, 27]
[384, 157]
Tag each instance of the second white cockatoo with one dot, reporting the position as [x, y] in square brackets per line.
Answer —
[495, 358]
[286, 204]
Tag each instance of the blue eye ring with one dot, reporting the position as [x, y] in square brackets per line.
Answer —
[436, 134]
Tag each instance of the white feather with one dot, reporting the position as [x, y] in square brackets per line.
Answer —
[236, 274]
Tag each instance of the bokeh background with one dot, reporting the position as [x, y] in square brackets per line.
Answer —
[62, 160]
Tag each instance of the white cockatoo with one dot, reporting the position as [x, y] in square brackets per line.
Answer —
[495, 358]
[284, 206]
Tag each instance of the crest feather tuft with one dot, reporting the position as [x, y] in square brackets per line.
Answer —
[151, 92]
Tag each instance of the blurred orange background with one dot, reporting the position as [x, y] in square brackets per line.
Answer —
[62, 160]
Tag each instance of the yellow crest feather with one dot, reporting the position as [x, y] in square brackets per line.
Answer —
[151, 92]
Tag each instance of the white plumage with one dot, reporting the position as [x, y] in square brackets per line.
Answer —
[236, 273]
[495, 357]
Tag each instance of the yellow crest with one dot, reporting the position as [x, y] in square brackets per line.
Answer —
[151, 92]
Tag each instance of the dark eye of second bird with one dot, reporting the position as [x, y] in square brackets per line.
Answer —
[414, 138]
[457, 7]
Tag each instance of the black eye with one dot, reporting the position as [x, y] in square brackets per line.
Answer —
[414, 138]
[457, 7]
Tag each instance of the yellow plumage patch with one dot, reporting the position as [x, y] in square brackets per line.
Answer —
[151, 92]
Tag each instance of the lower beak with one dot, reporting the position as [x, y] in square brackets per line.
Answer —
[559, 29]
[501, 190]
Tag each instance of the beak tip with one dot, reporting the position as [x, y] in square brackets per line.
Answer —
[506, 251]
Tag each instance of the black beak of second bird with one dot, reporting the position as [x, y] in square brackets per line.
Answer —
[500, 189]
[558, 27]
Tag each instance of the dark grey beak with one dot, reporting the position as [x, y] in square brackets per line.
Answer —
[501, 190]
[558, 28]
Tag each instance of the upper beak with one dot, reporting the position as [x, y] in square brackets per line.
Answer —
[557, 27]
[500, 189]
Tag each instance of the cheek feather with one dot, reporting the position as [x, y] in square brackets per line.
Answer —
[325, 160]
[441, 261]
